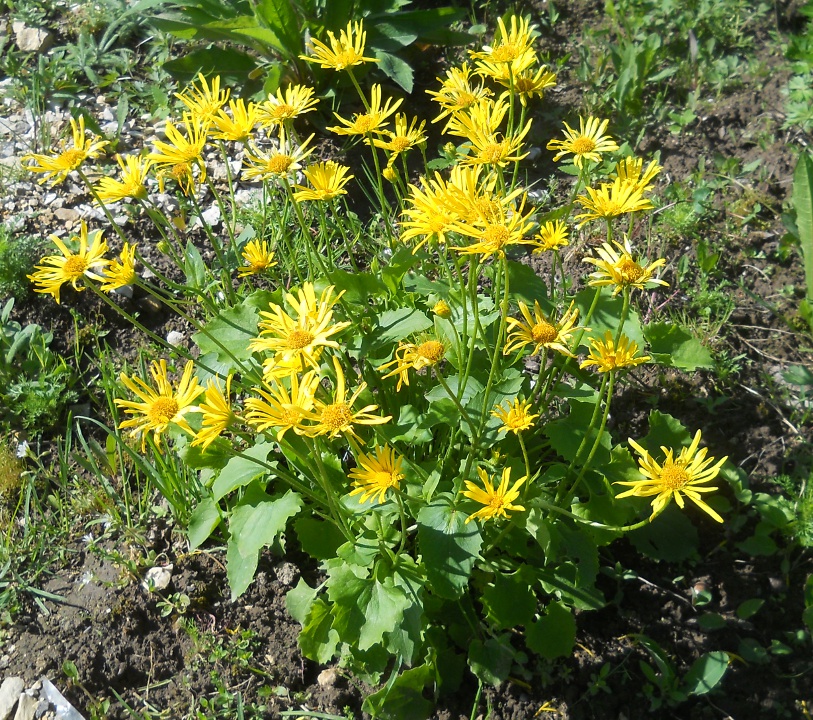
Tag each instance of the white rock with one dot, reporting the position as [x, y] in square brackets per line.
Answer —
[211, 216]
[9, 694]
[157, 578]
[31, 39]
[64, 710]
[175, 338]
[26, 707]
[327, 678]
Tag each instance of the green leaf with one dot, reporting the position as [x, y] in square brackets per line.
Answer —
[449, 546]
[280, 17]
[232, 65]
[749, 608]
[711, 621]
[383, 605]
[318, 538]
[606, 315]
[803, 204]
[194, 267]
[298, 601]
[553, 635]
[567, 433]
[510, 600]
[318, 640]
[674, 346]
[229, 334]
[395, 69]
[395, 325]
[402, 699]
[525, 284]
[202, 523]
[240, 471]
[672, 537]
[491, 660]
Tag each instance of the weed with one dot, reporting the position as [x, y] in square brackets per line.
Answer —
[18, 255]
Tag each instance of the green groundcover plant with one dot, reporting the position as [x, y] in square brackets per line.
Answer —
[425, 414]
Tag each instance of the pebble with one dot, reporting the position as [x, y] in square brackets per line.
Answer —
[10, 692]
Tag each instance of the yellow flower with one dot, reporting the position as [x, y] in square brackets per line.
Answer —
[238, 126]
[278, 162]
[442, 309]
[551, 236]
[494, 234]
[608, 356]
[280, 366]
[430, 215]
[619, 268]
[486, 145]
[258, 258]
[217, 413]
[71, 267]
[376, 473]
[307, 306]
[389, 173]
[283, 409]
[57, 167]
[516, 417]
[370, 121]
[630, 170]
[120, 272]
[283, 107]
[504, 72]
[204, 102]
[675, 478]
[612, 200]
[528, 84]
[508, 45]
[472, 193]
[338, 416]
[416, 357]
[496, 502]
[484, 118]
[402, 138]
[327, 181]
[457, 93]
[160, 406]
[179, 157]
[589, 142]
[134, 171]
[541, 331]
[343, 53]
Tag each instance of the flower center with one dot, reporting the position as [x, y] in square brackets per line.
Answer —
[75, 267]
[399, 144]
[279, 164]
[180, 171]
[347, 56]
[72, 158]
[505, 53]
[610, 209]
[162, 410]
[674, 477]
[283, 110]
[364, 123]
[496, 502]
[299, 339]
[337, 416]
[583, 145]
[432, 350]
[464, 100]
[496, 235]
[384, 479]
[543, 332]
[437, 223]
[524, 85]
[492, 153]
[629, 270]
[290, 416]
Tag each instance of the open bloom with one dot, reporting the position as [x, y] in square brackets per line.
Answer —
[508, 44]
[183, 152]
[457, 92]
[286, 105]
[327, 181]
[608, 355]
[343, 53]
[515, 417]
[612, 200]
[497, 501]
[551, 236]
[370, 121]
[675, 478]
[160, 406]
[376, 473]
[281, 408]
[416, 357]
[541, 331]
[120, 271]
[133, 184]
[71, 267]
[494, 234]
[58, 167]
[237, 124]
[204, 102]
[630, 170]
[258, 258]
[588, 143]
[217, 413]
[278, 162]
[430, 215]
[401, 139]
[617, 267]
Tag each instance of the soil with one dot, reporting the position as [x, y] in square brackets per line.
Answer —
[115, 632]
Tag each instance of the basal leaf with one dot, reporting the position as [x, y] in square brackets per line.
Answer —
[202, 523]
[229, 334]
[554, 634]
[240, 471]
[675, 346]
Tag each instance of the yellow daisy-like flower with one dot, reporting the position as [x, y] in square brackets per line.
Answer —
[619, 268]
[217, 413]
[403, 138]
[494, 234]
[370, 121]
[677, 477]
[496, 502]
[588, 143]
[286, 105]
[551, 236]
[327, 181]
[161, 405]
[237, 125]
[529, 83]
[416, 357]
[55, 270]
[121, 271]
[473, 195]
[307, 306]
[284, 409]
[516, 417]
[508, 45]
[430, 214]
[281, 366]
[611, 200]
[630, 170]
[258, 258]
[57, 167]
[279, 162]
[343, 53]
[337, 417]
[179, 157]
[541, 331]
[134, 171]
[204, 102]
[376, 473]
[607, 356]
[504, 72]
[457, 93]
[482, 119]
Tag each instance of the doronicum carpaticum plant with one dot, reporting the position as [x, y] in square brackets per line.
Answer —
[431, 424]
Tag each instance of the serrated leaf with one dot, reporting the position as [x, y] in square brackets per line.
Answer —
[318, 538]
[403, 698]
[318, 640]
[491, 660]
[554, 634]
[510, 600]
[383, 605]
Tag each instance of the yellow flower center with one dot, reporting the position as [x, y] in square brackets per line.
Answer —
[290, 416]
[437, 223]
[399, 144]
[432, 350]
[279, 164]
[72, 158]
[75, 267]
[524, 85]
[487, 207]
[610, 209]
[337, 416]
[492, 153]
[464, 100]
[505, 53]
[283, 110]
[162, 410]
[674, 477]
[299, 339]
[496, 235]
[364, 123]
[496, 502]
[583, 145]
[383, 479]
[543, 332]
[180, 171]
[630, 271]
[345, 57]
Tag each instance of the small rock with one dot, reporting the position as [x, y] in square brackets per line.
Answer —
[157, 578]
[26, 707]
[31, 39]
[66, 214]
[327, 678]
[175, 338]
[9, 694]
[286, 573]
[211, 216]
[64, 710]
